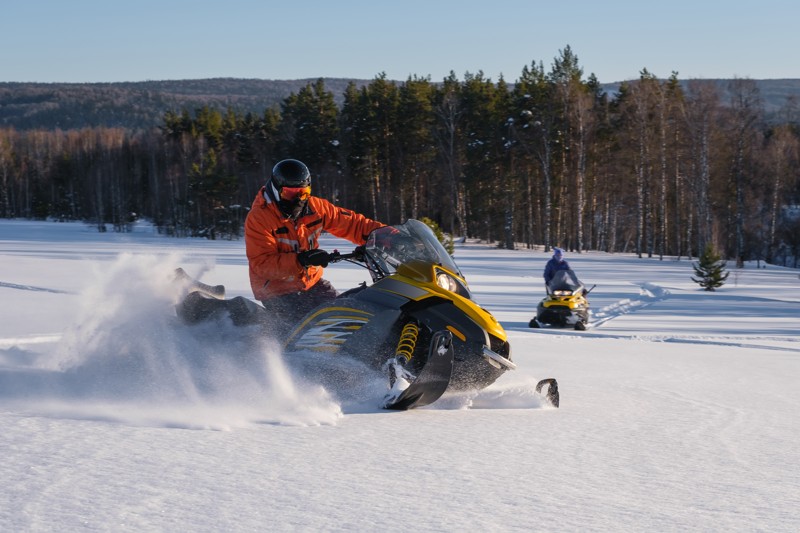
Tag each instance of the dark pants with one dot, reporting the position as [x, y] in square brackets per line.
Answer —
[280, 315]
[197, 307]
[285, 312]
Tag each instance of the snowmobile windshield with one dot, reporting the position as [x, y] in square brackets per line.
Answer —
[564, 281]
[390, 246]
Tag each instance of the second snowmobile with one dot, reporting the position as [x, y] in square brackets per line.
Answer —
[565, 304]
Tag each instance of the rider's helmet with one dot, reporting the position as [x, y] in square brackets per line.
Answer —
[291, 182]
[290, 173]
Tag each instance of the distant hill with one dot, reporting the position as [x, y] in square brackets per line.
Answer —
[140, 104]
[143, 104]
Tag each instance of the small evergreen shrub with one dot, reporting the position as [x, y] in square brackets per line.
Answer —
[446, 240]
[710, 269]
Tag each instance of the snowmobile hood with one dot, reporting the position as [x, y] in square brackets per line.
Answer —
[418, 281]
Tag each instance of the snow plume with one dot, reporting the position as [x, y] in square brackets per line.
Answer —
[357, 387]
[128, 358]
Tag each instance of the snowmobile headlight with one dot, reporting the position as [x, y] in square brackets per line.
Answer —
[446, 281]
[562, 293]
[450, 283]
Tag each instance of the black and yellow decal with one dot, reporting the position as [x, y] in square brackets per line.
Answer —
[329, 328]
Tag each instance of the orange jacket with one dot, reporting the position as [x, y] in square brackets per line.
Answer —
[272, 241]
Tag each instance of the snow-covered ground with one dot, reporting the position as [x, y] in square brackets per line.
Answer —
[679, 407]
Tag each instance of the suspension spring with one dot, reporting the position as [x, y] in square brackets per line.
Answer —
[408, 341]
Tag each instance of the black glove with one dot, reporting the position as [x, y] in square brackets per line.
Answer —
[314, 257]
[359, 254]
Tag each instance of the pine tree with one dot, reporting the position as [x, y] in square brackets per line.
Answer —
[710, 269]
[446, 240]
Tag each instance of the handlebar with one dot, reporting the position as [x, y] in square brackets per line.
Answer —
[336, 256]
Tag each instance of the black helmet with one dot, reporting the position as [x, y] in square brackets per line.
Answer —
[290, 173]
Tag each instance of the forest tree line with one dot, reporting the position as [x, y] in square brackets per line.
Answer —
[658, 168]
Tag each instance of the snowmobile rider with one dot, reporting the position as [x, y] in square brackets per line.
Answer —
[556, 263]
[281, 235]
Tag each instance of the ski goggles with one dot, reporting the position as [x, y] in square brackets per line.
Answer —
[295, 193]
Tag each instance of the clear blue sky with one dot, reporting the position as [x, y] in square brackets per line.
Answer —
[136, 40]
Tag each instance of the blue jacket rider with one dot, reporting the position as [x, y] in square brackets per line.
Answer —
[557, 262]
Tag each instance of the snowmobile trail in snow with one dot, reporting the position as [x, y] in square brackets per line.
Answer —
[6, 285]
[649, 294]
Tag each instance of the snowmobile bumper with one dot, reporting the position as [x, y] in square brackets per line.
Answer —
[497, 360]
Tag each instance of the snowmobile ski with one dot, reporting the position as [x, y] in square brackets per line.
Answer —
[552, 390]
[432, 380]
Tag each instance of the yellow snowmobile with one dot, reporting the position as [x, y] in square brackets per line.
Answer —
[418, 321]
[565, 303]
